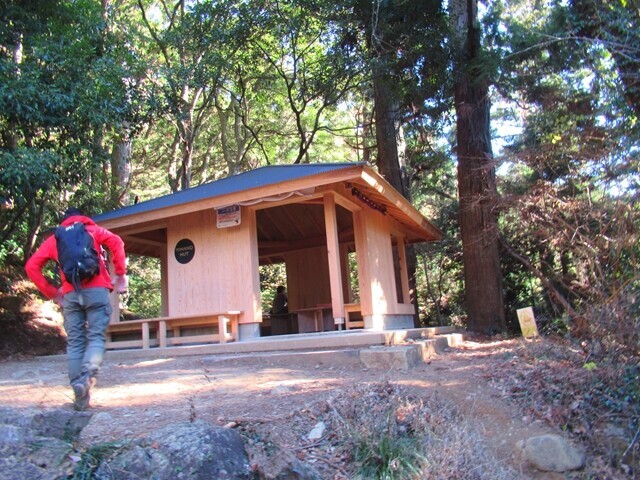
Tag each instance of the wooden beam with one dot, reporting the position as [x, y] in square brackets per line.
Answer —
[395, 198]
[333, 251]
[143, 241]
[364, 267]
[282, 246]
[404, 272]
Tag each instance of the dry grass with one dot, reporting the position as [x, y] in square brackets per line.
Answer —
[379, 431]
[598, 403]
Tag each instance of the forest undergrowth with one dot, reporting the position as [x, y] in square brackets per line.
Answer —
[596, 402]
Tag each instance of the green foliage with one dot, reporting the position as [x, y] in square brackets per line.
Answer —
[92, 457]
[62, 85]
[271, 276]
[571, 171]
[144, 297]
[388, 458]
[240, 84]
[24, 173]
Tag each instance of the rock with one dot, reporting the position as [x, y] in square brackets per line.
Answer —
[282, 465]
[317, 431]
[36, 446]
[552, 453]
[11, 434]
[59, 423]
[185, 450]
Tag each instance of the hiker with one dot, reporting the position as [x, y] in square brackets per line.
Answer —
[84, 298]
[280, 302]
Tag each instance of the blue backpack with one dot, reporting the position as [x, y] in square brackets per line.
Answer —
[77, 256]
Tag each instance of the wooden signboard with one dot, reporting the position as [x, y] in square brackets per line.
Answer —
[527, 322]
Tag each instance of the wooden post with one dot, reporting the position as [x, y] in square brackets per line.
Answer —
[162, 333]
[404, 272]
[333, 252]
[527, 321]
[222, 328]
[145, 335]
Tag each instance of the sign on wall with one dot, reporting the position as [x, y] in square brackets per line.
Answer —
[185, 250]
[228, 216]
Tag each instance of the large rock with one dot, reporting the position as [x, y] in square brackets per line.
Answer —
[197, 451]
[552, 453]
[38, 445]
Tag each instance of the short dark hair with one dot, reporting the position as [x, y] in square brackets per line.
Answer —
[280, 289]
[71, 212]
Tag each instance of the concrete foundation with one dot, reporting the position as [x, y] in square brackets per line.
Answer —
[379, 323]
[248, 331]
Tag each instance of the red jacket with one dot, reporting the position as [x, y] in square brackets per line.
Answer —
[49, 251]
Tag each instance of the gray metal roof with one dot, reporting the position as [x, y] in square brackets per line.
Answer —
[259, 177]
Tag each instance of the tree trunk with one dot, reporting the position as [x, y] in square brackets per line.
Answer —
[476, 178]
[121, 171]
[386, 113]
[389, 161]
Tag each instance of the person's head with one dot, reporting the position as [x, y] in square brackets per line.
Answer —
[72, 212]
[280, 289]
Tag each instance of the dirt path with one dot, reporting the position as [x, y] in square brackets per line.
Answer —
[134, 397]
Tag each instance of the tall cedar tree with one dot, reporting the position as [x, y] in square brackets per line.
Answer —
[476, 176]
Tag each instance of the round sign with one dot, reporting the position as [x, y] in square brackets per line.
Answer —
[185, 250]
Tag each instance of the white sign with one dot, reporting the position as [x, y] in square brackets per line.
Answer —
[228, 216]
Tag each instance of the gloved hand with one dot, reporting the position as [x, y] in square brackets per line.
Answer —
[121, 283]
[58, 298]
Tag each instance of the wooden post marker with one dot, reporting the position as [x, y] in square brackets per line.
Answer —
[527, 322]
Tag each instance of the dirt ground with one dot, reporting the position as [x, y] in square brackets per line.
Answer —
[134, 397]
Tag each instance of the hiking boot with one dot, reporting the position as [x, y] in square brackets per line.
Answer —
[82, 392]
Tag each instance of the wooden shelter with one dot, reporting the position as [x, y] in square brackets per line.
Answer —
[211, 240]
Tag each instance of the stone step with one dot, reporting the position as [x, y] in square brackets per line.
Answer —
[326, 348]
[410, 355]
[398, 356]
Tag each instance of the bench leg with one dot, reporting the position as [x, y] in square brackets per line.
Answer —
[162, 333]
[222, 328]
[234, 328]
[145, 335]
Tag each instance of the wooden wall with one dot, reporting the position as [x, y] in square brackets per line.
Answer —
[308, 278]
[223, 274]
[375, 262]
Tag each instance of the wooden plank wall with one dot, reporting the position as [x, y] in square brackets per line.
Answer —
[223, 274]
[308, 278]
[375, 263]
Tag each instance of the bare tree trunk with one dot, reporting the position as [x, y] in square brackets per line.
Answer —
[476, 178]
[121, 170]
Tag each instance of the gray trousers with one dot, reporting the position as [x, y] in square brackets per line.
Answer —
[86, 317]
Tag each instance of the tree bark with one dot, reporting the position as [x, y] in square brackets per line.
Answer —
[476, 178]
[121, 170]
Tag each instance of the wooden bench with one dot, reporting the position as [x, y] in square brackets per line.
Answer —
[161, 325]
[352, 308]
